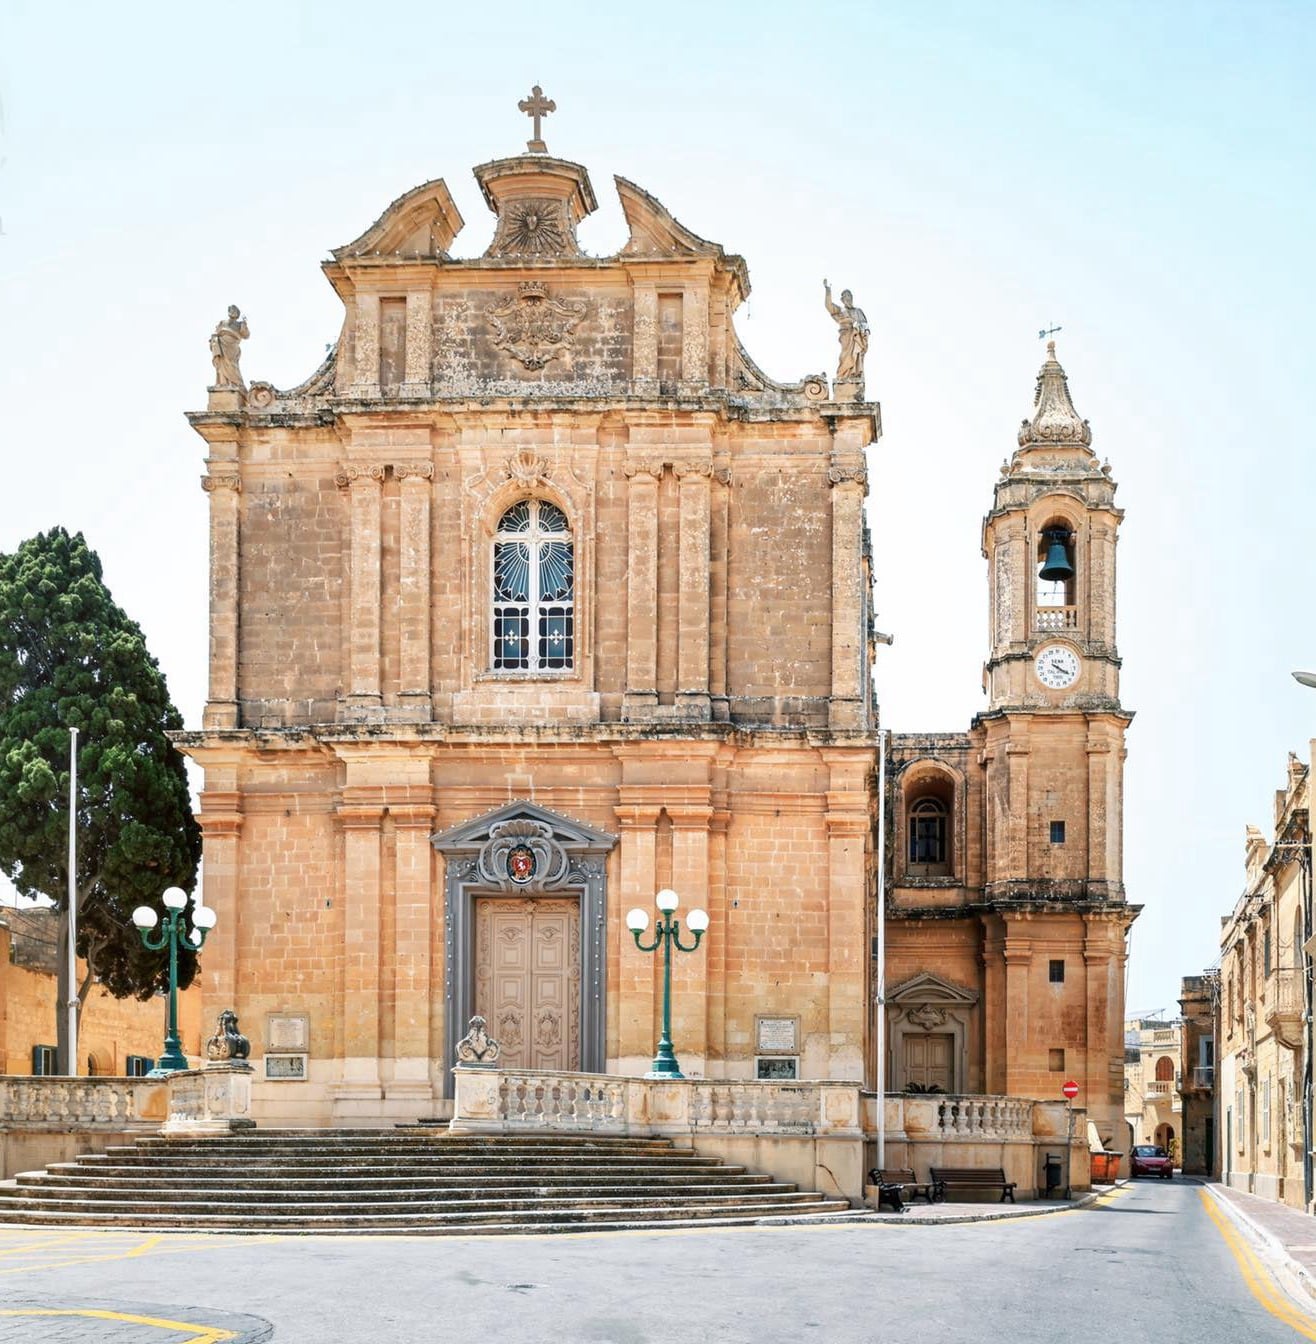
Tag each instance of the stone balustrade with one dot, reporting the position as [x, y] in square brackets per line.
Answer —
[506, 1100]
[79, 1103]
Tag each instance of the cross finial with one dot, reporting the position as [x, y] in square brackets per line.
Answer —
[537, 106]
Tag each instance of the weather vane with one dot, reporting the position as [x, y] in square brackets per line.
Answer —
[1041, 335]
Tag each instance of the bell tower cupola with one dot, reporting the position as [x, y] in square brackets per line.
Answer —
[1049, 542]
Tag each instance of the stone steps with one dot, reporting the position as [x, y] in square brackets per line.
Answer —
[418, 1181]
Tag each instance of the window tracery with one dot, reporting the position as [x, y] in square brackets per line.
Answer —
[533, 627]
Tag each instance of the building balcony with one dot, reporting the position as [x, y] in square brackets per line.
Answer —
[1161, 1087]
[1285, 1004]
[1057, 618]
[1200, 1079]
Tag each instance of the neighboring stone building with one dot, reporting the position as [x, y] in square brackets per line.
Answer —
[1199, 1124]
[538, 596]
[1152, 1106]
[1007, 949]
[115, 1036]
[1264, 1031]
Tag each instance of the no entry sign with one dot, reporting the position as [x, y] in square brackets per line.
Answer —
[1070, 1090]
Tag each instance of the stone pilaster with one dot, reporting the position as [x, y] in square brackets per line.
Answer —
[413, 991]
[220, 819]
[366, 382]
[414, 589]
[1015, 860]
[1018, 957]
[644, 346]
[690, 880]
[642, 589]
[719, 523]
[365, 488]
[223, 484]
[362, 873]
[638, 850]
[420, 321]
[693, 613]
[849, 646]
[849, 832]
[694, 341]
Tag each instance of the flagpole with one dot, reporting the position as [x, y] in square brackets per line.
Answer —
[72, 1006]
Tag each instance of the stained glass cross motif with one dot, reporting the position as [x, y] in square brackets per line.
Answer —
[533, 589]
[537, 107]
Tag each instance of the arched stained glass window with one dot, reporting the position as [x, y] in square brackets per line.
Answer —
[534, 626]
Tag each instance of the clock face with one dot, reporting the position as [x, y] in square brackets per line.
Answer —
[1057, 666]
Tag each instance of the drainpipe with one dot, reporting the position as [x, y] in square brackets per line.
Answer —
[881, 950]
[1304, 872]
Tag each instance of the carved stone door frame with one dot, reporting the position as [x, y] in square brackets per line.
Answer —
[923, 1005]
[522, 849]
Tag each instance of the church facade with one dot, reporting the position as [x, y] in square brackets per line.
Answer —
[539, 596]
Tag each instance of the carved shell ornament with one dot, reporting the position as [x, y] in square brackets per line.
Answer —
[534, 328]
[524, 853]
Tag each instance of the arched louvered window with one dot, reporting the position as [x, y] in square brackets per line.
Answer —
[927, 832]
[534, 626]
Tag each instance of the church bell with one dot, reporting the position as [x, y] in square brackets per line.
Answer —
[1056, 567]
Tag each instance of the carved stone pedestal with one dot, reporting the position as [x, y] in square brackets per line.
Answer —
[213, 1100]
[847, 390]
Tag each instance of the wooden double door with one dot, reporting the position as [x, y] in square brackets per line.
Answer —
[930, 1061]
[527, 978]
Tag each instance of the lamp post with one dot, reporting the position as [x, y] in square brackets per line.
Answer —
[1307, 679]
[666, 932]
[171, 934]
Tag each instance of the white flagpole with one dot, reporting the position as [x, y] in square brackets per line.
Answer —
[72, 1005]
[881, 949]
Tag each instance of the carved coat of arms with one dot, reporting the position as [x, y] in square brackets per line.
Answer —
[533, 328]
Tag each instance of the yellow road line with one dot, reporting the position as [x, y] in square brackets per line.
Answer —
[1257, 1278]
[209, 1334]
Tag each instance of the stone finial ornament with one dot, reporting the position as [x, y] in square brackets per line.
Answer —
[1054, 421]
[228, 1042]
[226, 348]
[853, 335]
[477, 1046]
[537, 107]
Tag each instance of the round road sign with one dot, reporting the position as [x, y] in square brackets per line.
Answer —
[1070, 1090]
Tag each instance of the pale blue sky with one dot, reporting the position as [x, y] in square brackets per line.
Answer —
[1141, 174]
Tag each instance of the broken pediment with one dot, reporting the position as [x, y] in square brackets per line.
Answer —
[928, 988]
[421, 223]
[655, 232]
[476, 833]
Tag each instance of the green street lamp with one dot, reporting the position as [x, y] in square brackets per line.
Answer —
[171, 934]
[666, 932]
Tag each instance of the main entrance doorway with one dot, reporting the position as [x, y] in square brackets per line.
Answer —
[929, 1061]
[527, 979]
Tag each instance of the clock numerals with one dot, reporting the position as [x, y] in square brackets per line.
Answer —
[1057, 667]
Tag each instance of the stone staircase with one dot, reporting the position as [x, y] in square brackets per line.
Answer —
[411, 1181]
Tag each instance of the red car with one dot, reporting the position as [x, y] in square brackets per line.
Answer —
[1148, 1159]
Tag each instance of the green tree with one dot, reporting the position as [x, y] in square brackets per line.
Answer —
[71, 658]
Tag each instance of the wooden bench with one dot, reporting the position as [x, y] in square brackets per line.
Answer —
[903, 1181]
[975, 1178]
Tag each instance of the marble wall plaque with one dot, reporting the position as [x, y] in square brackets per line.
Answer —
[777, 1034]
[777, 1067]
[287, 1031]
[285, 1067]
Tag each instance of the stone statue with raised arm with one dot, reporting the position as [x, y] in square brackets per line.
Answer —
[226, 349]
[853, 335]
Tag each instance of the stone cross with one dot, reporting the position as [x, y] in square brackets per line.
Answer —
[537, 106]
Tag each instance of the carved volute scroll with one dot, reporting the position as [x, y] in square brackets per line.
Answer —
[533, 327]
[523, 854]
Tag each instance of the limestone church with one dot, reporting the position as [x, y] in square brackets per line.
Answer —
[538, 596]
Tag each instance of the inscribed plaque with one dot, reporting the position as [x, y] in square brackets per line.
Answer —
[776, 1034]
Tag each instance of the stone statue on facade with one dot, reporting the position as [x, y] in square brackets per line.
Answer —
[226, 348]
[853, 335]
[228, 1043]
[477, 1046]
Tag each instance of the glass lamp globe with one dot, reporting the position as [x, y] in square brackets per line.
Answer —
[667, 900]
[144, 917]
[175, 898]
[203, 917]
[697, 921]
[637, 921]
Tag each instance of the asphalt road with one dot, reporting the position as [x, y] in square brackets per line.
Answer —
[1149, 1265]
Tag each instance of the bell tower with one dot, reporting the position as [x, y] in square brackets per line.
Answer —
[1054, 727]
[1050, 547]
